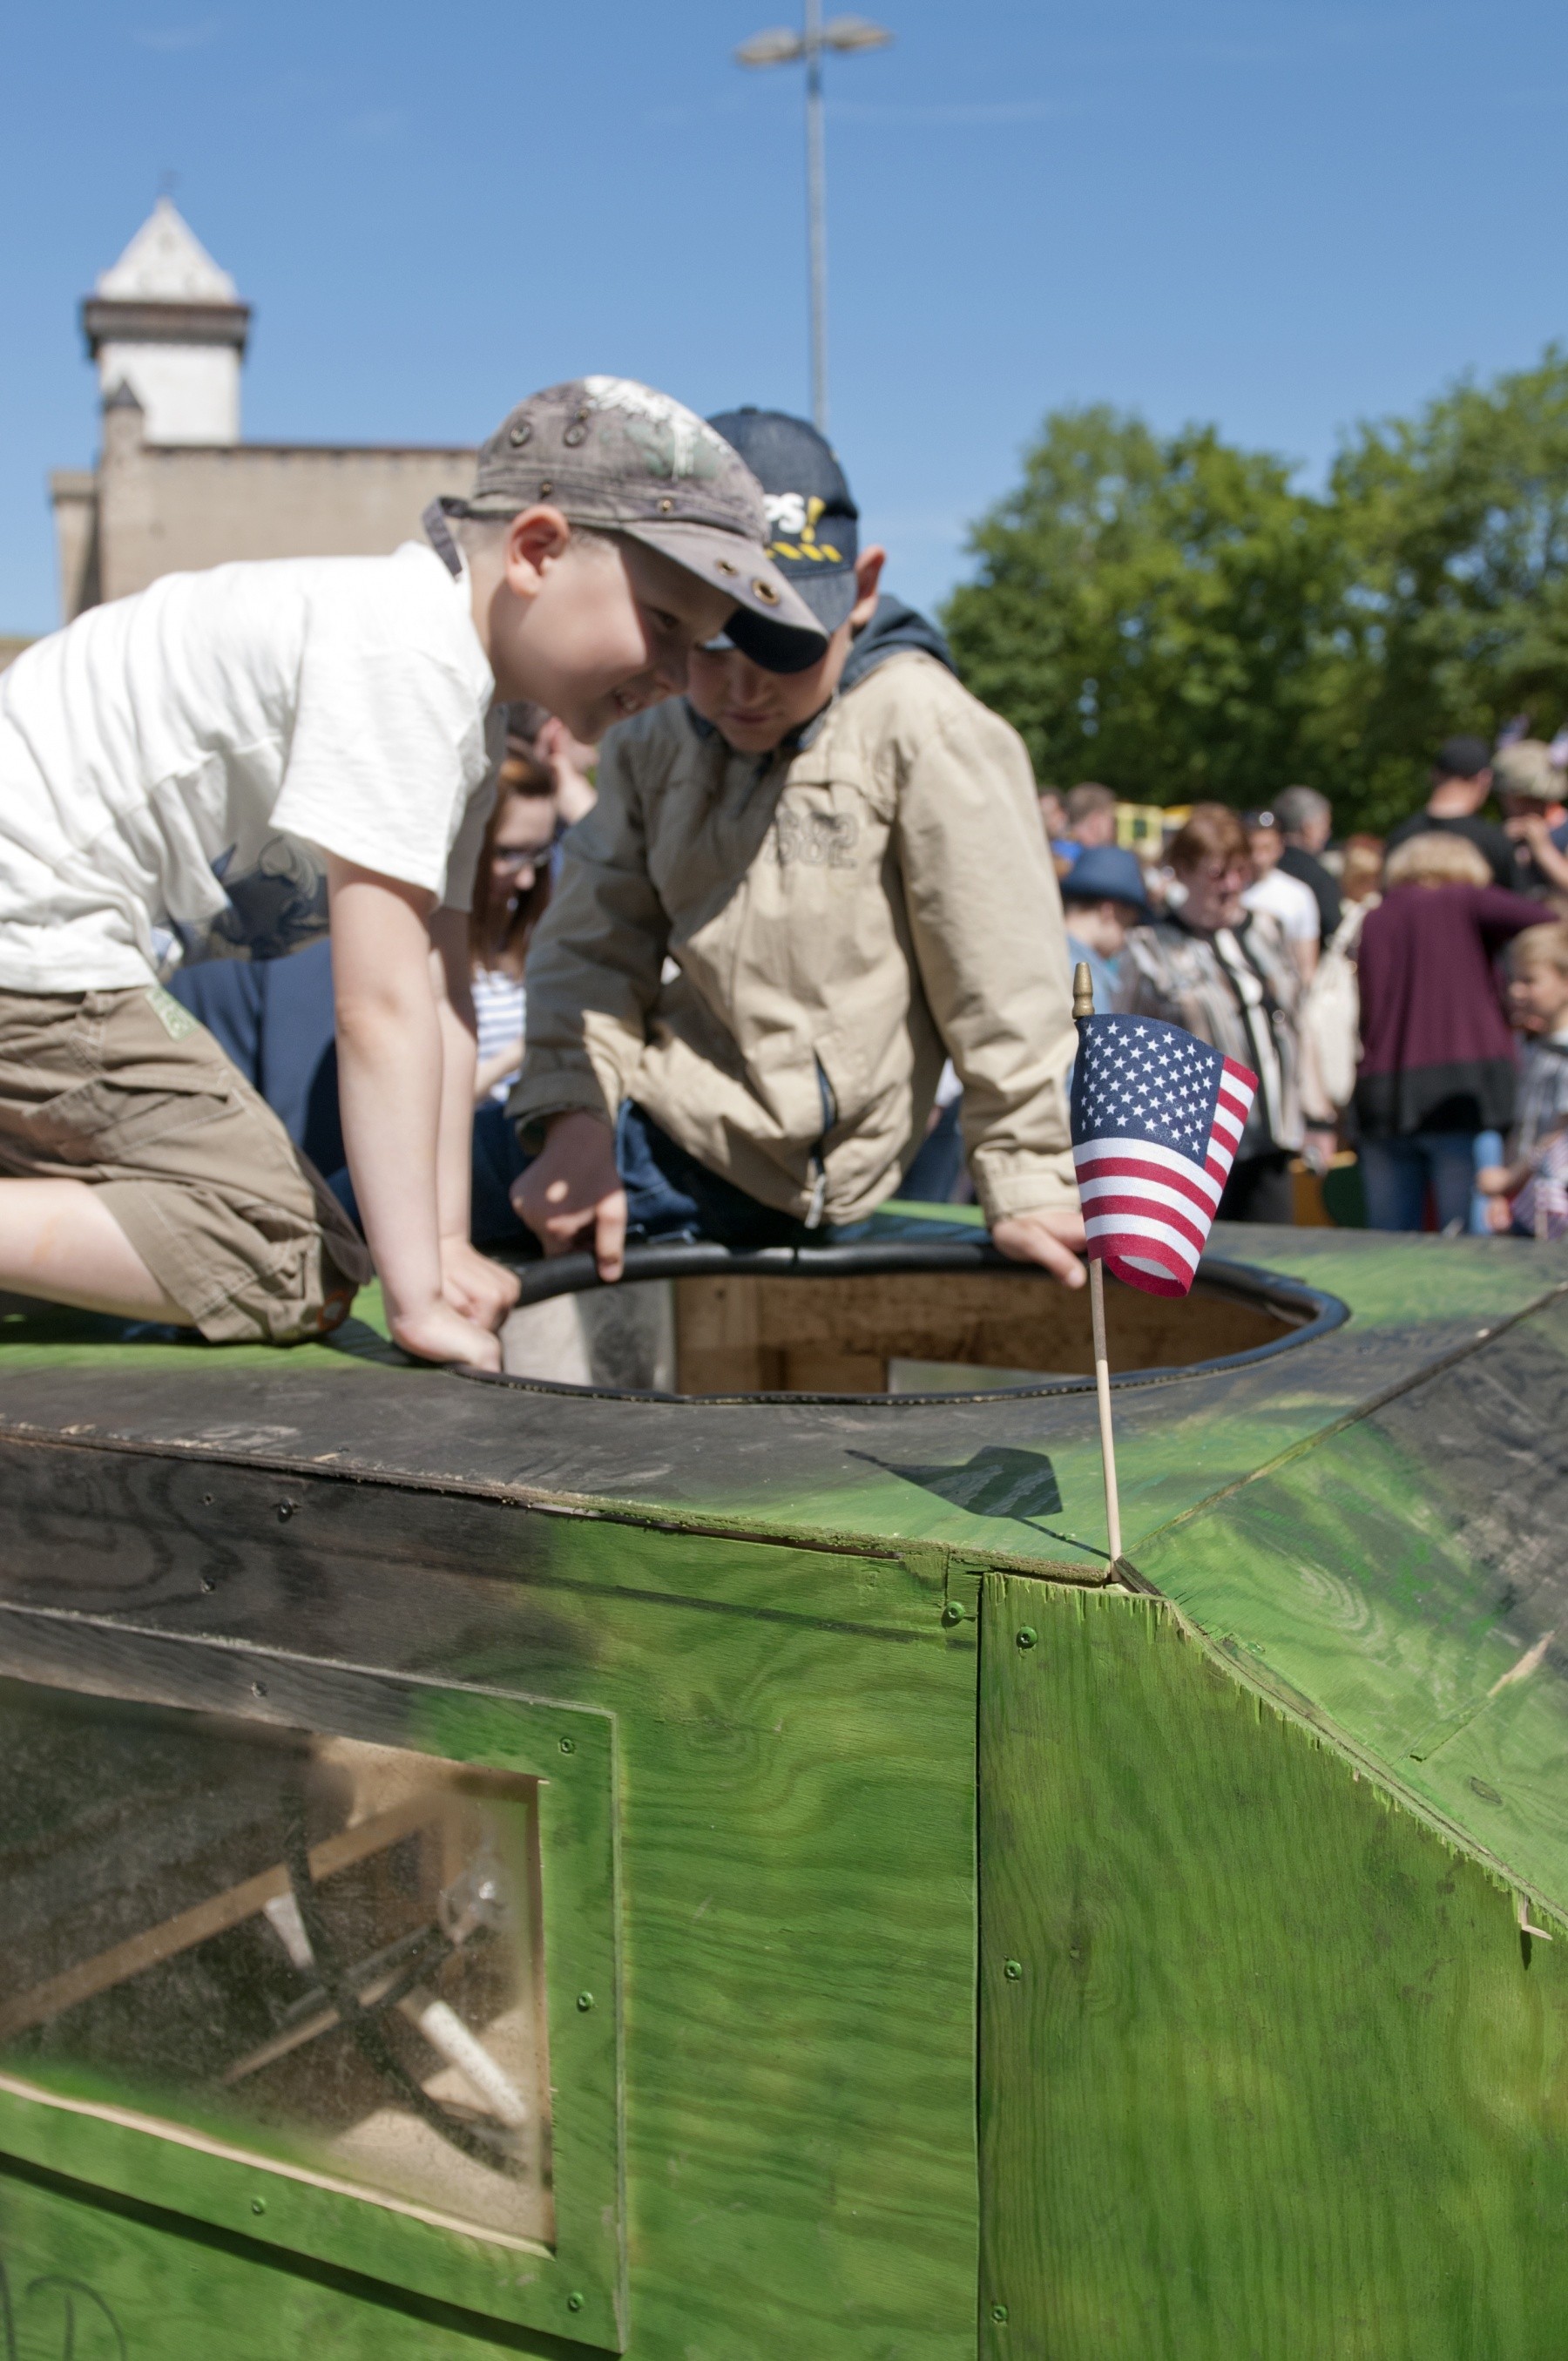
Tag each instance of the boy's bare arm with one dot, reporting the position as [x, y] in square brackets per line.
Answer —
[481, 1289]
[390, 1067]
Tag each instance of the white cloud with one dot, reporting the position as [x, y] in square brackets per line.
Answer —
[170, 39]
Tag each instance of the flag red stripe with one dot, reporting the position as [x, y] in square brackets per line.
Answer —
[1179, 1281]
[1112, 1209]
[1130, 1227]
[1203, 1192]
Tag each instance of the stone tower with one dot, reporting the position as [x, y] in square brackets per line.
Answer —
[166, 322]
[175, 488]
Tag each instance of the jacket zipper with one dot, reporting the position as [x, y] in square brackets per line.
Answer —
[818, 1154]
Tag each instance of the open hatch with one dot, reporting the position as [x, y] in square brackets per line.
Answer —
[900, 1320]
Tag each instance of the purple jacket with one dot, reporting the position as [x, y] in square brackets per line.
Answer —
[1437, 1053]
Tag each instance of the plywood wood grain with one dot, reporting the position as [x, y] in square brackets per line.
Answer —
[1270, 2073]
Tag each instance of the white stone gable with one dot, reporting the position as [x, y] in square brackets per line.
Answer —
[166, 263]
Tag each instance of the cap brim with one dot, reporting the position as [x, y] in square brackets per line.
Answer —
[831, 596]
[772, 623]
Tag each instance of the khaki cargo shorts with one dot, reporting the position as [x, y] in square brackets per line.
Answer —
[126, 1091]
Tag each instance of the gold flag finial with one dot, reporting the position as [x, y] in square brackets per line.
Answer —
[1083, 990]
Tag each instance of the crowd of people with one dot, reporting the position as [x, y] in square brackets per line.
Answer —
[1404, 1003]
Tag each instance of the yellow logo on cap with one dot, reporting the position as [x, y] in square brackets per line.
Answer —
[805, 544]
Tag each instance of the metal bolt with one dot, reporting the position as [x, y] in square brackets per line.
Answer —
[258, 2204]
[206, 1499]
[585, 2002]
[285, 1511]
[209, 1582]
[259, 1688]
[1013, 1969]
[999, 2313]
[569, 1746]
[952, 1613]
[574, 2301]
[1027, 1636]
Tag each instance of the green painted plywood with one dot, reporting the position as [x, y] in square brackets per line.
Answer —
[796, 1831]
[89, 2282]
[1276, 2076]
[1402, 1583]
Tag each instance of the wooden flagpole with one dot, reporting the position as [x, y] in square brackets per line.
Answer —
[1083, 1006]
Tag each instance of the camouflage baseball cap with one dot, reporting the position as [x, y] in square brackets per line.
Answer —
[608, 451]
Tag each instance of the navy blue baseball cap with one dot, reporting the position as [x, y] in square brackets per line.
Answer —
[813, 533]
[1106, 872]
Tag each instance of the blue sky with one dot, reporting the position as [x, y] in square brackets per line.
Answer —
[1281, 215]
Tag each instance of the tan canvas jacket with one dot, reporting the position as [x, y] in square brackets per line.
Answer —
[839, 915]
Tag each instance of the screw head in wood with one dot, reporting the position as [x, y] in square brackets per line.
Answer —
[258, 2204]
[285, 1511]
[585, 2002]
[569, 1746]
[952, 1613]
[1027, 1636]
[574, 2301]
[999, 2313]
[1013, 1969]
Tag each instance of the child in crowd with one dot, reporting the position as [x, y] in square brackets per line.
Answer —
[1283, 896]
[844, 859]
[511, 892]
[1103, 897]
[1528, 1194]
[235, 762]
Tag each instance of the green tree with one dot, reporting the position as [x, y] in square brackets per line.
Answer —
[1152, 611]
[1454, 526]
[1171, 615]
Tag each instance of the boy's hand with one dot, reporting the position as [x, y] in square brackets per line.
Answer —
[1055, 1240]
[572, 1185]
[1494, 1179]
[436, 1333]
[482, 1291]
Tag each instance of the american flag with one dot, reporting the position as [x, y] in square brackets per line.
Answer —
[1156, 1116]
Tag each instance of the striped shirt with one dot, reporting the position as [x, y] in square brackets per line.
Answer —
[498, 1006]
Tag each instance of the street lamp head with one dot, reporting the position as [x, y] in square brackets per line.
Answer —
[778, 47]
[854, 33]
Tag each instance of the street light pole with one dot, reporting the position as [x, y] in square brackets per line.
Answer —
[816, 213]
[785, 47]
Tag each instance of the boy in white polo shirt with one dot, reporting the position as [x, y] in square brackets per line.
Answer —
[228, 765]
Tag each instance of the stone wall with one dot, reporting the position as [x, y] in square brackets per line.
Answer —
[156, 508]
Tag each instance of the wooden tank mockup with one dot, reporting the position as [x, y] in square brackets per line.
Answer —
[707, 1861]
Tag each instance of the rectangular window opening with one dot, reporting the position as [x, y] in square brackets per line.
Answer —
[321, 1953]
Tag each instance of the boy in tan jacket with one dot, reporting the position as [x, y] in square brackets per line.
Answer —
[805, 886]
